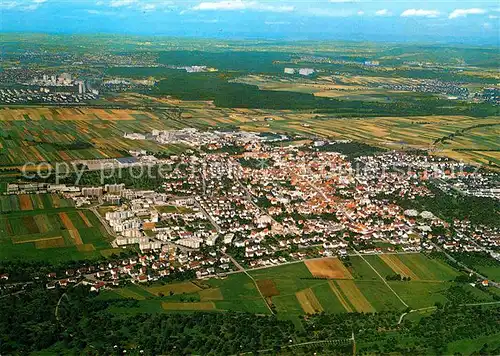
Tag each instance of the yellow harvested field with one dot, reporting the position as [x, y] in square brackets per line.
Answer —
[308, 301]
[328, 268]
[188, 306]
[398, 266]
[69, 114]
[340, 297]
[355, 297]
[176, 288]
[75, 235]
[210, 294]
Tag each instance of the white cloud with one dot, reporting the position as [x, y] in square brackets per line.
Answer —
[360, 13]
[464, 12]
[383, 12]
[235, 5]
[8, 4]
[343, 1]
[148, 7]
[120, 3]
[21, 5]
[493, 16]
[420, 13]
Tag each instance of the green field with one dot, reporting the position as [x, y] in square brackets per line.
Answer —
[236, 292]
[286, 287]
[12, 203]
[53, 234]
[65, 134]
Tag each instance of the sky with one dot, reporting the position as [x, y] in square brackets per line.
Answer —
[380, 20]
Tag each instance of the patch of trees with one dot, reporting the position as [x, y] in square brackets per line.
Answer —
[351, 149]
[379, 333]
[86, 324]
[397, 277]
[478, 210]
[461, 132]
[216, 87]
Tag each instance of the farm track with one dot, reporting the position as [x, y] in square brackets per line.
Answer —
[434, 307]
[242, 269]
[311, 343]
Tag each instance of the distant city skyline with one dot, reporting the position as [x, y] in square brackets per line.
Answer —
[415, 21]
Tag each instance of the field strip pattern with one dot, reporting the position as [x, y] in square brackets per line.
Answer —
[308, 301]
[85, 219]
[73, 232]
[398, 266]
[339, 296]
[355, 297]
[328, 268]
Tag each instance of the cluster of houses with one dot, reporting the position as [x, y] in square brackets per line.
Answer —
[275, 203]
[142, 268]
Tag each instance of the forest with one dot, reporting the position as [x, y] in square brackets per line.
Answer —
[86, 324]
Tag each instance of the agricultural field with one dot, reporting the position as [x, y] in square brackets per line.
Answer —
[292, 290]
[236, 292]
[475, 145]
[362, 88]
[32, 202]
[55, 234]
[328, 268]
[66, 134]
[419, 267]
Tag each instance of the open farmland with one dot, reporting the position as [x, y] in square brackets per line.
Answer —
[54, 234]
[399, 267]
[477, 144]
[267, 287]
[32, 202]
[354, 296]
[66, 134]
[73, 134]
[308, 301]
[176, 288]
[328, 268]
[293, 291]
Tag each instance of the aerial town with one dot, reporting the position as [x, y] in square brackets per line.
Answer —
[270, 204]
[249, 177]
